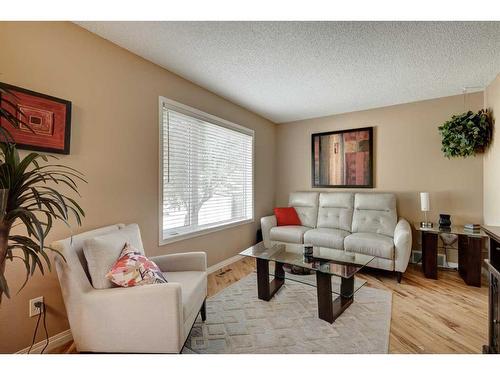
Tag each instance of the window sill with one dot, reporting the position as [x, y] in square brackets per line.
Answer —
[202, 232]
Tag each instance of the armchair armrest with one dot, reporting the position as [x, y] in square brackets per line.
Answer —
[402, 244]
[194, 261]
[266, 223]
[112, 318]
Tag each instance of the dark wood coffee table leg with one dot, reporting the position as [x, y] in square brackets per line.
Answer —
[266, 289]
[329, 309]
[429, 254]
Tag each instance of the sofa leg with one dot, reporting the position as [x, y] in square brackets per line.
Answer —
[399, 276]
[204, 311]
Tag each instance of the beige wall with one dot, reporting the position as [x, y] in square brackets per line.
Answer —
[115, 143]
[492, 159]
[407, 157]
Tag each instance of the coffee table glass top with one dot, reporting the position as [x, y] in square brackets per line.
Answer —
[331, 261]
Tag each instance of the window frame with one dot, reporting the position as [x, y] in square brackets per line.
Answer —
[194, 112]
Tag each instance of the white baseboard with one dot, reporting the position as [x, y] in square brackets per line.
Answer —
[224, 263]
[57, 340]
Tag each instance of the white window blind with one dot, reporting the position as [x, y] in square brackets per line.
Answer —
[207, 172]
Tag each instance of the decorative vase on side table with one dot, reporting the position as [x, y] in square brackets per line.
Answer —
[444, 221]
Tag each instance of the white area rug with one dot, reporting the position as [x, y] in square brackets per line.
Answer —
[238, 322]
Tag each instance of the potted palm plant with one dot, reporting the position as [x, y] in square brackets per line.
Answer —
[30, 197]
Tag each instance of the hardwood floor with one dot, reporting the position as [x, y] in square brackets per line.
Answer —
[428, 316]
[434, 316]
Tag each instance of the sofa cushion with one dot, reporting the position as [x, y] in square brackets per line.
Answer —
[335, 210]
[306, 205]
[374, 213]
[327, 237]
[288, 233]
[102, 252]
[286, 216]
[193, 289]
[373, 244]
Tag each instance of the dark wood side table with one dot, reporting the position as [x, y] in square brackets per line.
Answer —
[470, 246]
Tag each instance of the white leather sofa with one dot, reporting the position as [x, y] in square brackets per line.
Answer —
[365, 223]
[154, 318]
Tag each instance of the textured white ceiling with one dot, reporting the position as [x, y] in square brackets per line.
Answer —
[288, 71]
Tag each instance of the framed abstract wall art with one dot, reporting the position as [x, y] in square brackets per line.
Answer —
[48, 119]
[343, 159]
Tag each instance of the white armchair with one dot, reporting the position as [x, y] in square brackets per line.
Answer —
[145, 319]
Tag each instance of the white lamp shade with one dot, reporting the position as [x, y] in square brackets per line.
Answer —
[425, 202]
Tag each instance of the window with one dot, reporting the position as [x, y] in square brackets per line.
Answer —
[206, 172]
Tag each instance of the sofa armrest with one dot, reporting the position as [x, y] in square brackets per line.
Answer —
[193, 261]
[150, 314]
[402, 244]
[266, 223]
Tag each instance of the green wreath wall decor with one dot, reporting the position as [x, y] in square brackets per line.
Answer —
[466, 134]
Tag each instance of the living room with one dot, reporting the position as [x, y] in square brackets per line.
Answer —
[288, 187]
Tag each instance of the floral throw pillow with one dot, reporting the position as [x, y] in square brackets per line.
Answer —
[132, 268]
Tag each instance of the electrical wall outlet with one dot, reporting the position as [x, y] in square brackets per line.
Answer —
[33, 310]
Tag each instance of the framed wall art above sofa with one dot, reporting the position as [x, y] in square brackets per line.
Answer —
[342, 159]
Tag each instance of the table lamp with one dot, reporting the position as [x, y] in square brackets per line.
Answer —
[425, 206]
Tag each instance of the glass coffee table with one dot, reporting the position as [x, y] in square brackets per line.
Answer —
[324, 261]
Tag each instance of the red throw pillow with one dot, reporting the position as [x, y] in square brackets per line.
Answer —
[287, 216]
